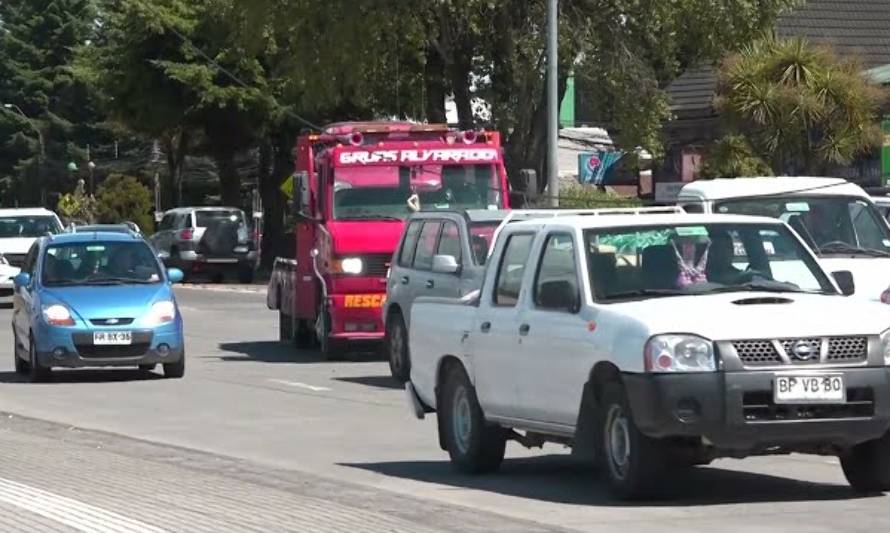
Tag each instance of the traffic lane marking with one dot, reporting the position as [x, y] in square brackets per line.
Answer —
[299, 385]
[72, 513]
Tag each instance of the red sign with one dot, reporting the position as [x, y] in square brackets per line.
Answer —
[439, 156]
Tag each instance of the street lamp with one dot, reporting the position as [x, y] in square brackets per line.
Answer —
[92, 167]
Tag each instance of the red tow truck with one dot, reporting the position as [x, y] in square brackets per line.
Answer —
[354, 185]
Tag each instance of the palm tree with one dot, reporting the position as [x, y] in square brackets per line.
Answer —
[800, 107]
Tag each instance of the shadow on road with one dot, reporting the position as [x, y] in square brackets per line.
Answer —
[280, 352]
[559, 479]
[380, 382]
[87, 376]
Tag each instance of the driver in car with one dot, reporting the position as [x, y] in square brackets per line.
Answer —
[720, 268]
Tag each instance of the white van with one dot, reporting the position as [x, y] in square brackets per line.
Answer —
[836, 218]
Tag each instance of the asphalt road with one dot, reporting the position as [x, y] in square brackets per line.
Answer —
[259, 437]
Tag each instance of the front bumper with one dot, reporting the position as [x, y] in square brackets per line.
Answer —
[192, 260]
[73, 347]
[357, 317]
[735, 410]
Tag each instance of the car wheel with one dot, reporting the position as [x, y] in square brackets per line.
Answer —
[22, 367]
[175, 370]
[867, 466]
[147, 368]
[474, 445]
[37, 373]
[245, 275]
[632, 462]
[397, 348]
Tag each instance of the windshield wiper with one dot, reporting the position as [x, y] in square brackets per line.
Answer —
[845, 248]
[659, 293]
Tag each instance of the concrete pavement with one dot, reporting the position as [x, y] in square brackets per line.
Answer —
[341, 429]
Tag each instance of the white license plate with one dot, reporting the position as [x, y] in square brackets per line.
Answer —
[112, 338]
[817, 388]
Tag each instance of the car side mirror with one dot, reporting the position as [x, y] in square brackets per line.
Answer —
[175, 275]
[445, 264]
[844, 280]
[22, 280]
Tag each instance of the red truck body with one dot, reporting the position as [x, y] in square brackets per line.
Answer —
[355, 185]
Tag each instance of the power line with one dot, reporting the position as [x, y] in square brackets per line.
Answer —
[188, 42]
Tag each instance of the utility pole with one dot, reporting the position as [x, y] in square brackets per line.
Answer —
[552, 102]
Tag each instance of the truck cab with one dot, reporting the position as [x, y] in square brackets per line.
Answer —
[354, 186]
[837, 219]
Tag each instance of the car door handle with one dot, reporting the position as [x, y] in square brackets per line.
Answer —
[430, 284]
[524, 329]
[405, 280]
[485, 327]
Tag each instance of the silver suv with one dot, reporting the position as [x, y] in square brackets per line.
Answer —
[213, 241]
[441, 253]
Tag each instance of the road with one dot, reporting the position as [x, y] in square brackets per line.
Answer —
[259, 437]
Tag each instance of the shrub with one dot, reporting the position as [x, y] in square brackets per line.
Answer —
[122, 198]
[590, 197]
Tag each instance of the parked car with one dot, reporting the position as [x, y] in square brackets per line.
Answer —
[653, 343]
[213, 241]
[7, 275]
[19, 228]
[95, 300]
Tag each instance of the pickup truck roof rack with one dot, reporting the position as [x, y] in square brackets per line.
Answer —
[531, 214]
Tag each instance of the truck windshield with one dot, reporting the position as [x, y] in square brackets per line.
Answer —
[831, 225]
[384, 192]
[650, 262]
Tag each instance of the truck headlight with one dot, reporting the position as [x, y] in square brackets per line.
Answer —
[679, 353]
[885, 346]
[349, 265]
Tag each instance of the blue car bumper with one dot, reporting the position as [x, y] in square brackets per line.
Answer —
[73, 347]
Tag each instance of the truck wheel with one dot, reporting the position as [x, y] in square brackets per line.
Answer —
[397, 348]
[326, 344]
[37, 373]
[474, 445]
[303, 336]
[285, 327]
[867, 465]
[632, 462]
[245, 275]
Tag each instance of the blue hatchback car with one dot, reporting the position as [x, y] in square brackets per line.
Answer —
[96, 299]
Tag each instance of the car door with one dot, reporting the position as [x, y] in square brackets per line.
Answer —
[23, 297]
[445, 284]
[494, 335]
[552, 361]
[400, 290]
[422, 267]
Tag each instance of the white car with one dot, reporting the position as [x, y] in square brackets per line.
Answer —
[653, 343]
[19, 229]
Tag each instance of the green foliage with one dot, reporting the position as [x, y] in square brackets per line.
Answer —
[801, 107]
[122, 198]
[731, 157]
[77, 205]
[590, 197]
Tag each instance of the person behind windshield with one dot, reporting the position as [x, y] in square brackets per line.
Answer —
[130, 262]
[722, 252]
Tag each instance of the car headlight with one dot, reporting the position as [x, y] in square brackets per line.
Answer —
[57, 315]
[885, 346]
[162, 312]
[349, 265]
[679, 353]
[3, 260]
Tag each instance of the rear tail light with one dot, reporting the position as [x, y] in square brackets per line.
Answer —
[187, 234]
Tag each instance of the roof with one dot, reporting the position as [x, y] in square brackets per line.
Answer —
[26, 212]
[104, 236]
[93, 228]
[764, 186]
[853, 28]
[612, 221]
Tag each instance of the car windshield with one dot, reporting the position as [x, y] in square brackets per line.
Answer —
[831, 225]
[382, 192]
[28, 227]
[205, 219]
[661, 261]
[100, 263]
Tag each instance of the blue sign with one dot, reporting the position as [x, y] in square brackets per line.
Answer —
[593, 167]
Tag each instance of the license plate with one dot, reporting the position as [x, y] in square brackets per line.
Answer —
[821, 388]
[112, 338]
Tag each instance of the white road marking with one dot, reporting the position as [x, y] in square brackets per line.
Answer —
[299, 385]
[78, 515]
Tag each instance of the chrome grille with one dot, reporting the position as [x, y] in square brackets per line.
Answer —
[814, 353]
[376, 265]
[847, 349]
[757, 352]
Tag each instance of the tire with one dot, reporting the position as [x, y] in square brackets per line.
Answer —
[22, 367]
[175, 370]
[147, 368]
[245, 275]
[633, 463]
[285, 327]
[397, 348]
[303, 335]
[867, 466]
[37, 373]
[326, 345]
[475, 447]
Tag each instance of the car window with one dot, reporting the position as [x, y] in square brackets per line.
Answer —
[99, 263]
[556, 283]
[426, 247]
[167, 222]
[31, 259]
[694, 208]
[183, 221]
[449, 241]
[205, 219]
[481, 234]
[409, 243]
[866, 226]
[511, 269]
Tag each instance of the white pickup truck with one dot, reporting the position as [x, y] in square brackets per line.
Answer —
[654, 342]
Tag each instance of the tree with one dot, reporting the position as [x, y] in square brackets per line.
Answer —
[800, 107]
[37, 43]
[731, 157]
[121, 198]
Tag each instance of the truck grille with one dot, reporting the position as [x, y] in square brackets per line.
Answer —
[764, 352]
[376, 265]
[16, 260]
